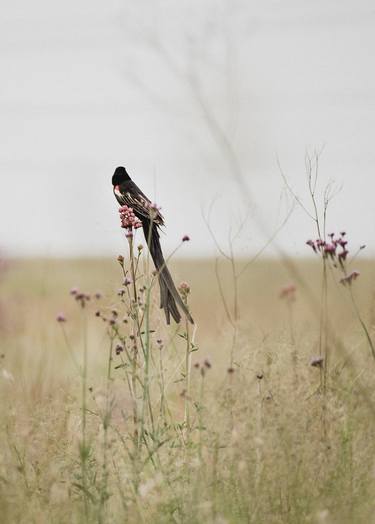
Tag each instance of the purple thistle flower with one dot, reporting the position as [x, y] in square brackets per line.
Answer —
[185, 238]
[127, 281]
[330, 249]
[311, 243]
[343, 255]
[342, 242]
[350, 278]
[61, 317]
[317, 362]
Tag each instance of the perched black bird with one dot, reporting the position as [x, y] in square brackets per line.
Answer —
[128, 194]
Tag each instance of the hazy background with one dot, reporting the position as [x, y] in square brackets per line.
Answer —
[88, 85]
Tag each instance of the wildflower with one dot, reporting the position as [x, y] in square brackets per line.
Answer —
[184, 289]
[127, 281]
[347, 280]
[330, 250]
[82, 298]
[61, 317]
[311, 243]
[343, 255]
[120, 260]
[74, 291]
[317, 362]
[128, 219]
[207, 364]
[288, 293]
[260, 376]
[185, 238]
[139, 247]
[119, 349]
[342, 242]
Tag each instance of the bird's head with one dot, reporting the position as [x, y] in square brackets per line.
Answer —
[119, 176]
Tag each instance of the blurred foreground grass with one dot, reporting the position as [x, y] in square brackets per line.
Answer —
[267, 446]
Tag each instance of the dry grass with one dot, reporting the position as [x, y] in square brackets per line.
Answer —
[265, 444]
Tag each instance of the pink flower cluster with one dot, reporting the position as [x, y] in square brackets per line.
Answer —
[337, 251]
[335, 248]
[80, 297]
[128, 218]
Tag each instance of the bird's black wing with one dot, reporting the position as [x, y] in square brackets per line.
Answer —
[129, 194]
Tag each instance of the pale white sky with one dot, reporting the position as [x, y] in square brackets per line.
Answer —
[88, 85]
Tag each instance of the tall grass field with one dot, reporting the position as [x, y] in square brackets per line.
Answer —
[261, 412]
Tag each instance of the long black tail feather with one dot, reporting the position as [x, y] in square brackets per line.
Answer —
[169, 296]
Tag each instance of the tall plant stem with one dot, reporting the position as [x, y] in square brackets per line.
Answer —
[135, 344]
[83, 445]
[187, 378]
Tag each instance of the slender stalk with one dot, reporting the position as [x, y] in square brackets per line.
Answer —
[364, 327]
[187, 378]
[106, 422]
[84, 452]
[134, 363]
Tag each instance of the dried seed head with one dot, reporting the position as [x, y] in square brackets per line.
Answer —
[184, 289]
[119, 349]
